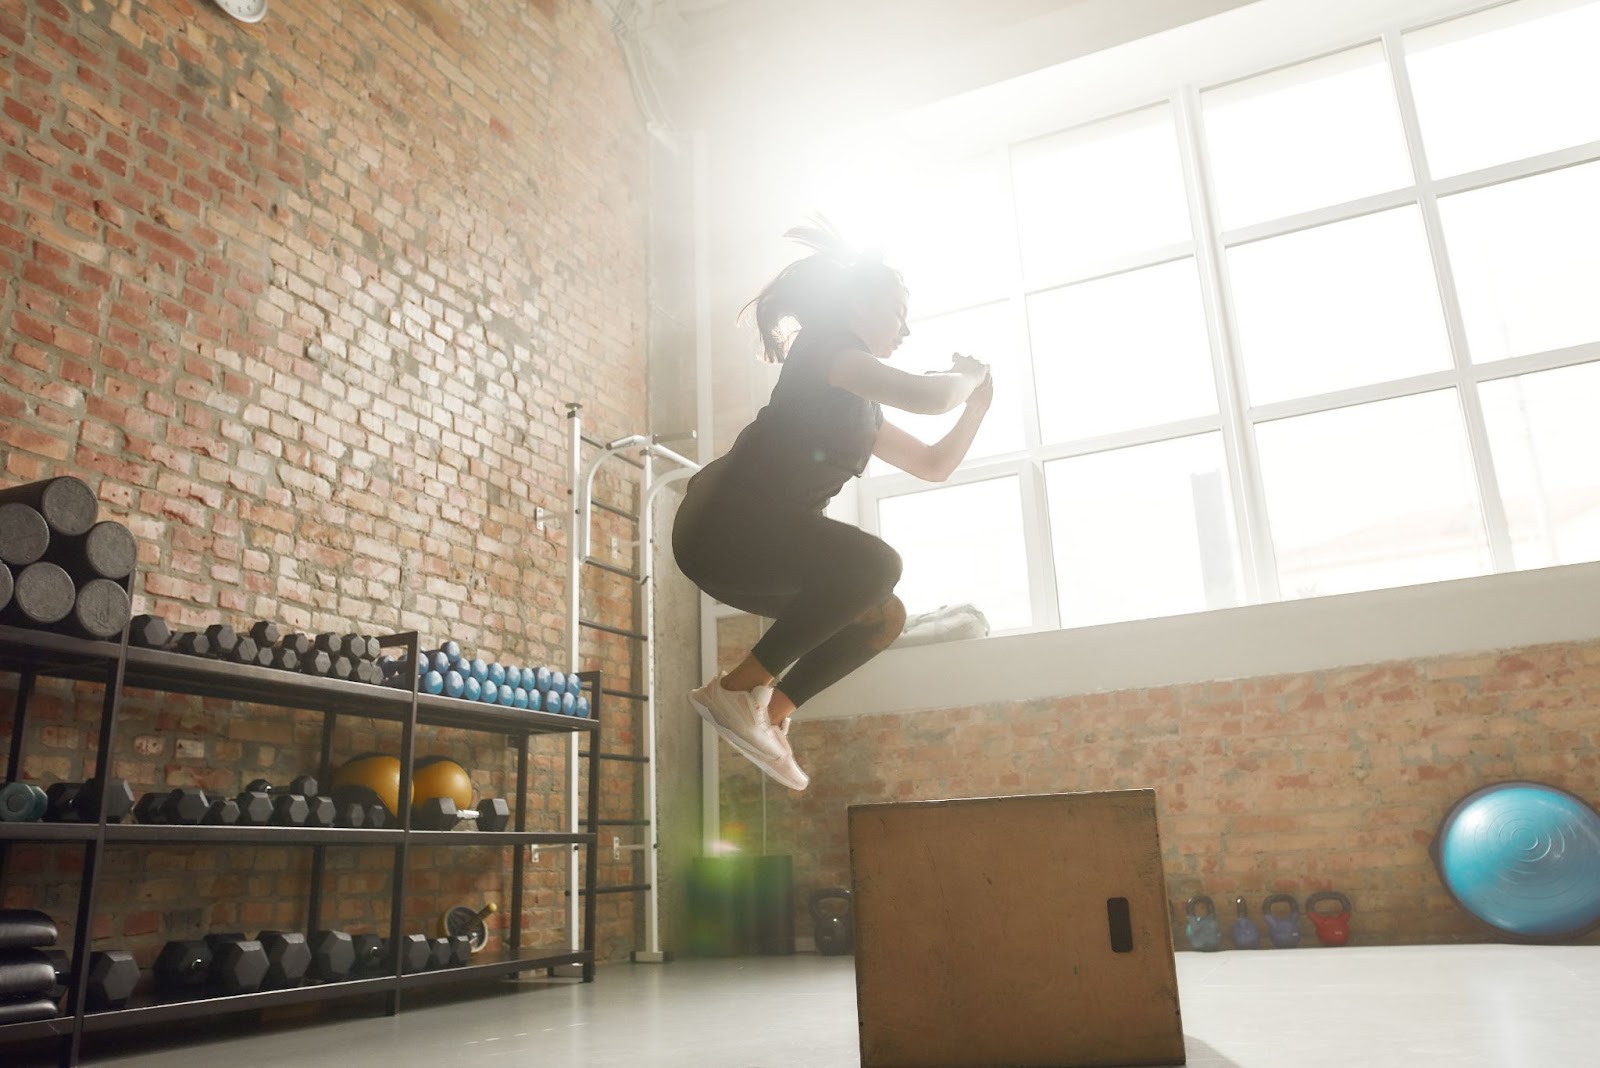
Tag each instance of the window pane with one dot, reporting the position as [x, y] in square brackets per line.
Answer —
[1305, 137]
[1372, 496]
[1142, 532]
[1545, 438]
[1121, 352]
[987, 333]
[1338, 306]
[1090, 196]
[954, 237]
[1506, 84]
[1526, 260]
[962, 545]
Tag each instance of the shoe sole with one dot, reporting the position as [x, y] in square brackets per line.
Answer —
[725, 733]
[770, 770]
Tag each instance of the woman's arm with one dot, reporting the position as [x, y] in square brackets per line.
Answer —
[934, 463]
[931, 394]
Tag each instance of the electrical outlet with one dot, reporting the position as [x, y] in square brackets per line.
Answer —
[533, 854]
[615, 547]
[616, 848]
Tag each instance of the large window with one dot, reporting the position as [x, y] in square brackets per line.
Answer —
[1329, 327]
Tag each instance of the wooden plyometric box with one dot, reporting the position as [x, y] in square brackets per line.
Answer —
[1013, 931]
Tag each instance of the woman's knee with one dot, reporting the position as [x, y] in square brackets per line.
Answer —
[894, 617]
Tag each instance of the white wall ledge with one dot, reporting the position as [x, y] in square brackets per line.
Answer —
[1507, 611]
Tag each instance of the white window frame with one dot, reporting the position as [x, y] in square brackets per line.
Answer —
[1237, 418]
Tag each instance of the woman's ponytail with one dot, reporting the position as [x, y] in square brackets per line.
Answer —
[813, 290]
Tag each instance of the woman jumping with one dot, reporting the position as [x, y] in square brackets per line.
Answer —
[751, 531]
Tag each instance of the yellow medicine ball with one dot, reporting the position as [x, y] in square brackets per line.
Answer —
[440, 777]
[380, 775]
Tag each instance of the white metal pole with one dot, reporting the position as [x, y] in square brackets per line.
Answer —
[577, 537]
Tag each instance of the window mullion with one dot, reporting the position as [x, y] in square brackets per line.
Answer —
[1490, 502]
[1244, 470]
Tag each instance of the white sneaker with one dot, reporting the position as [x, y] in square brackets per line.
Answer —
[784, 769]
[741, 718]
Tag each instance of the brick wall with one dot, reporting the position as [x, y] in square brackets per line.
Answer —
[304, 301]
[1294, 783]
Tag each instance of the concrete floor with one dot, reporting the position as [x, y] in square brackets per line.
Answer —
[1463, 1006]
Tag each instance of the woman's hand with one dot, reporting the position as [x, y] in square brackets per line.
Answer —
[966, 365]
[983, 396]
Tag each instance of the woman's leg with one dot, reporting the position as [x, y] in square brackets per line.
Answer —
[871, 633]
[817, 579]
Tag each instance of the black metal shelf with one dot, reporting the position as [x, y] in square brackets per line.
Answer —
[47, 832]
[167, 1011]
[156, 669]
[35, 1030]
[46, 653]
[32, 654]
[235, 835]
[498, 838]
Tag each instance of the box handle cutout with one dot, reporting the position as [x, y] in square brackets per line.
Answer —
[1120, 923]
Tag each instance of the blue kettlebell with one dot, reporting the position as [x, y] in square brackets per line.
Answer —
[834, 933]
[1246, 935]
[1282, 931]
[1202, 930]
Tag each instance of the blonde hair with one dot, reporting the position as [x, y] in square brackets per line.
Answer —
[817, 289]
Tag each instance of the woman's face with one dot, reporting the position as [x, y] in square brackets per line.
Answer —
[880, 320]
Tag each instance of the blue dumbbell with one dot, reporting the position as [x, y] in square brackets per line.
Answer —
[471, 688]
[519, 697]
[480, 670]
[497, 674]
[454, 684]
[489, 693]
[433, 682]
[507, 695]
[513, 677]
[535, 701]
[581, 709]
[569, 704]
[451, 650]
[437, 661]
[574, 684]
[558, 681]
[541, 679]
[552, 701]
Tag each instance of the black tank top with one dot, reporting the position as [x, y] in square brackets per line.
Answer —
[810, 439]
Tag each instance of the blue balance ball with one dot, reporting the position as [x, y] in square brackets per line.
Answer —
[471, 689]
[451, 650]
[480, 670]
[541, 679]
[519, 697]
[574, 684]
[513, 677]
[454, 684]
[433, 682]
[552, 701]
[490, 693]
[497, 674]
[581, 709]
[1523, 857]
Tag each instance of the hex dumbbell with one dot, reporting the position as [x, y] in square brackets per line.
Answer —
[288, 958]
[186, 806]
[333, 956]
[255, 808]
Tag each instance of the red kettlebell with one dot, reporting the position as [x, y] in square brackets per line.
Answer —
[1333, 928]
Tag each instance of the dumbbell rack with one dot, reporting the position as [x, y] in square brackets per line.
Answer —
[35, 654]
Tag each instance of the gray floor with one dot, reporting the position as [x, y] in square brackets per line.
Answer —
[1464, 1006]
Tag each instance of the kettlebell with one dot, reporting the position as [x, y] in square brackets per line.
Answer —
[1203, 931]
[1282, 931]
[1246, 935]
[835, 933]
[1333, 928]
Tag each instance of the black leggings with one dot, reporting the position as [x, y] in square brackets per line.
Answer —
[828, 587]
